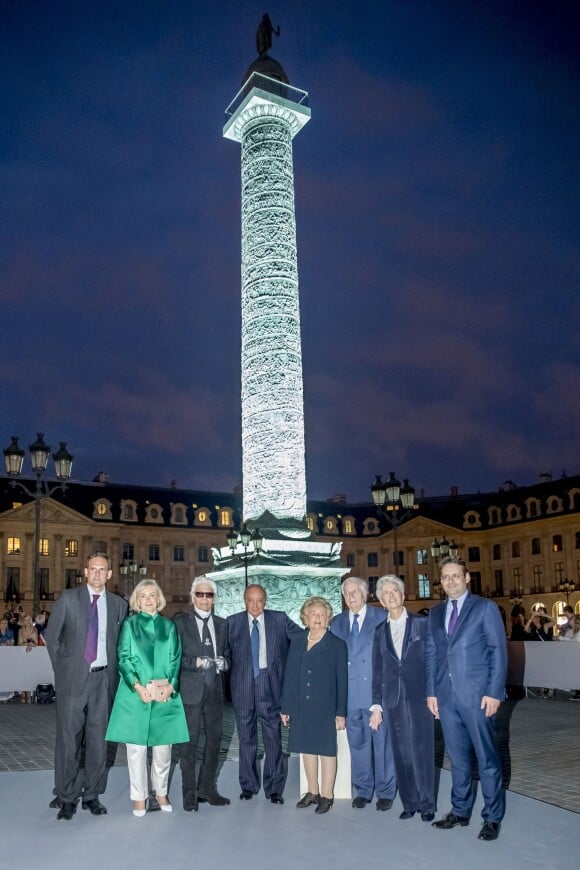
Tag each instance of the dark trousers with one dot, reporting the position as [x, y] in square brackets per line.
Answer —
[371, 757]
[81, 723]
[412, 733]
[209, 714]
[463, 728]
[261, 708]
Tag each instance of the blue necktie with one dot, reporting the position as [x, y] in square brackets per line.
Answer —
[453, 619]
[255, 639]
[355, 628]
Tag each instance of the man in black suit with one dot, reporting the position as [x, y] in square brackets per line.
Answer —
[205, 657]
[81, 638]
[259, 640]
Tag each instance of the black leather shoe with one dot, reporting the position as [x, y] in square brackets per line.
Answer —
[55, 803]
[359, 803]
[214, 800]
[450, 821]
[276, 798]
[324, 804]
[384, 804]
[246, 795]
[66, 811]
[489, 831]
[95, 806]
[407, 814]
[427, 817]
[308, 800]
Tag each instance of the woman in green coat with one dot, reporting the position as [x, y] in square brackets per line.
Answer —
[148, 710]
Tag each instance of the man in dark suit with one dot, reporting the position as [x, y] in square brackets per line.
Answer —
[371, 755]
[205, 657]
[81, 637]
[258, 640]
[466, 672]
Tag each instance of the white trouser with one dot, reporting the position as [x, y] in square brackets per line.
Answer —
[137, 764]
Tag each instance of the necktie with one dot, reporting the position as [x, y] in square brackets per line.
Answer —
[93, 632]
[452, 619]
[206, 640]
[208, 650]
[355, 628]
[255, 640]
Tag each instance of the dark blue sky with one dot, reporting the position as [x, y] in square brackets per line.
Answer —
[438, 227]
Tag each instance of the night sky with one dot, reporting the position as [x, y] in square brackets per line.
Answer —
[437, 192]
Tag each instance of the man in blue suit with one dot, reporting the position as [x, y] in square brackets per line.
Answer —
[372, 764]
[259, 640]
[466, 672]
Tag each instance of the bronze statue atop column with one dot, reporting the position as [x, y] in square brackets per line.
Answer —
[264, 35]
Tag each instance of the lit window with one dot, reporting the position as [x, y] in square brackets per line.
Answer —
[128, 552]
[44, 547]
[557, 545]
[225, 517]
[422, 559]
[348, 527]
[310, 522]
[424, 586]
[71, 548]
[13, 548]
[101, 509]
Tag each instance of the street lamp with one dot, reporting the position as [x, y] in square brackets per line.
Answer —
[251, 543]
[566, 587]
[39, 453]
[395, 502]
[130, 568]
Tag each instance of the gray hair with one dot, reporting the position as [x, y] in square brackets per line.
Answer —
[361, 583]
[203, 579]
[389, 578]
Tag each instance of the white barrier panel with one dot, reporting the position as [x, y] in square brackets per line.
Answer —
[342, 786]
[554, 665]
[22, 671]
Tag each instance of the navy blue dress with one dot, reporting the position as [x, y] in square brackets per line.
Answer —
[315, 693]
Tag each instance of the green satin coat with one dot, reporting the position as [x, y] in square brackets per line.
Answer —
[149, 649]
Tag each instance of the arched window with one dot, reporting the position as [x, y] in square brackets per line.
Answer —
[153, 513]
[102, 509]
[202, 517]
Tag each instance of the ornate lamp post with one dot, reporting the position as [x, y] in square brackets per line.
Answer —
[129, 569]
[251, 543]
[566, 587]
[39, 453]
[395, 502]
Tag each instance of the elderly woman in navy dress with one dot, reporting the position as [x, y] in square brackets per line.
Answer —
[399, 692]
[313, 700]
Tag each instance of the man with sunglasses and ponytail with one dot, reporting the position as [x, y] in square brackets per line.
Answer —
[205, 657]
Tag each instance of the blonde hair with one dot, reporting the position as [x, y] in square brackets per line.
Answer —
[161, 600]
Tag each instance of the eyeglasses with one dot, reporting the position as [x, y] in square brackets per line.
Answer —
[447, 577]
[204, 594]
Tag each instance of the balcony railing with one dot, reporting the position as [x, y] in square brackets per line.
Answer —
[271, 86]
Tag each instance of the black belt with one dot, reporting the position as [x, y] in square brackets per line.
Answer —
[100, 668]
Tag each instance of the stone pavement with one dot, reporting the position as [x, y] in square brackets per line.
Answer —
[539, 742]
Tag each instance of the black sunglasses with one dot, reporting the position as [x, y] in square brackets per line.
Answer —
[204, 594]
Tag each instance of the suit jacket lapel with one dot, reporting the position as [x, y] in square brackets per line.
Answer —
[407, 635]
[463, 615]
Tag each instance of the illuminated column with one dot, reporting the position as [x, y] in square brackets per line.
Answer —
[264, 117]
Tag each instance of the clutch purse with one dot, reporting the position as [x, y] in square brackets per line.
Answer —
[154, 687]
